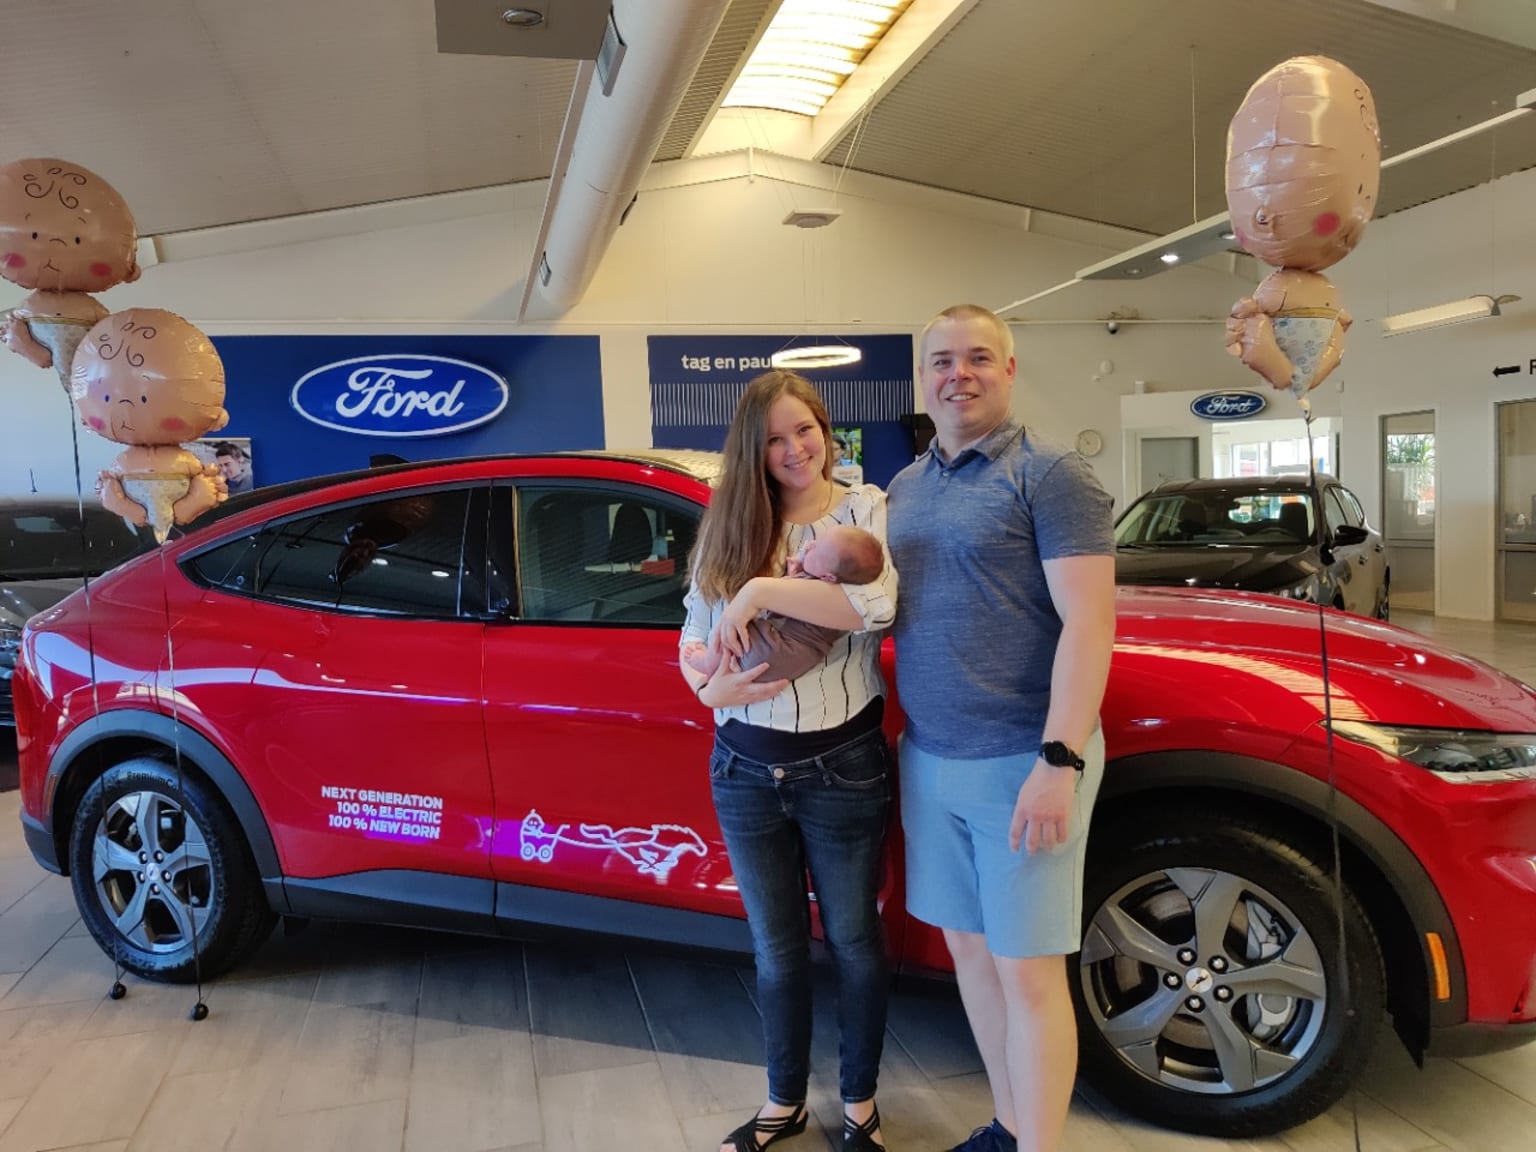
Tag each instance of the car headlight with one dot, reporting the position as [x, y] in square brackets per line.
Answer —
[1451, 754]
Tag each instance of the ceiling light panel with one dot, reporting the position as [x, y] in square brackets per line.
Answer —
[808, 50]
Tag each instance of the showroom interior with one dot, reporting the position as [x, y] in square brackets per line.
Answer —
[594, 203]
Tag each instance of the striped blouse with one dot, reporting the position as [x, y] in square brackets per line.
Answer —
[841, 686]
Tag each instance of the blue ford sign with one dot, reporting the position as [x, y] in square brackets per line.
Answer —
[400, 395]
[1228, 405]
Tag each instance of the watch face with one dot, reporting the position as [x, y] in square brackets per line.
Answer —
[1089, 442]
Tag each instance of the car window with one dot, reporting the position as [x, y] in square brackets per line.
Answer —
[402, 555]
[1217, 516]
[1352, 507]
[1333, 510]
[43, 542]
[600, 555]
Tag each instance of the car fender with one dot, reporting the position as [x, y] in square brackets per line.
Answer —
[1173, 770]
[155, 728]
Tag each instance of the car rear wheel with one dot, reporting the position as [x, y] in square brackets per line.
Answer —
[154, 861]
[1209, 990]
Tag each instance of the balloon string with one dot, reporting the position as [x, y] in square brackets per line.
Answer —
[118, 989]
[1345, 992]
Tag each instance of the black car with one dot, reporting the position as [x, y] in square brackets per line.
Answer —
[1256, 534]
[47, 548]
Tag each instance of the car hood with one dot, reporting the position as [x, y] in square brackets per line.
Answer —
[1254, 569]
[20, 600]
[1259, 655]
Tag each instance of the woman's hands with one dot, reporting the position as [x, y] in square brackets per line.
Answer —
[730, 687]
[732, 633]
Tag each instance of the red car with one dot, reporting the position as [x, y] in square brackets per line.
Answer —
[446, 694]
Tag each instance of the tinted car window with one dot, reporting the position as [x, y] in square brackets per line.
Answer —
[1352, 507]
[1237, 516]
[1333, 508]
[599, 555]
[401, 556]
[40, 542]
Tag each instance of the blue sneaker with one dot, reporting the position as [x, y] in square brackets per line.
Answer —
[991, 1137]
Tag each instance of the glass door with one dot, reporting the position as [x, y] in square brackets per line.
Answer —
[1517, 510]
[1408, 507]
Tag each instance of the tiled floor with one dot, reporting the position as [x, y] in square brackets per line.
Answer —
[371, 1038]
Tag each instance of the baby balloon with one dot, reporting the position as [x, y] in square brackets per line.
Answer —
[149, 379]
[1303, 169]
[64, 232]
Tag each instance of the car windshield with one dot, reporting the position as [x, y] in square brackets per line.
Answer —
[45, 541]
[1216, 517]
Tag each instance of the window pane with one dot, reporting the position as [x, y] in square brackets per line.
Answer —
[401, 556]
[40, 541]
[600, 555]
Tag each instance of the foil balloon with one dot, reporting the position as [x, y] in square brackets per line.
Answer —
[1303, 171]
[64, 233]
[148, 379]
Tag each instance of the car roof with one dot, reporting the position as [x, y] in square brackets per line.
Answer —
[42, 501]
[697, 464]
[1252, 483]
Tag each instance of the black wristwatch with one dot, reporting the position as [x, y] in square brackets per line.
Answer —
[1055, 753]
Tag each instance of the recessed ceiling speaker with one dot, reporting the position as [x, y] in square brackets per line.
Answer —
[546, 29]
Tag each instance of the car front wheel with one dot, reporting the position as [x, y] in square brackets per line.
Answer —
[1209, 990]
[158, 861]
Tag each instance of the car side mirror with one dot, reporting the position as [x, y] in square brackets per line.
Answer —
[1349, 535]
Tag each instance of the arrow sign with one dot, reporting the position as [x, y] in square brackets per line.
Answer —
[1506, 369]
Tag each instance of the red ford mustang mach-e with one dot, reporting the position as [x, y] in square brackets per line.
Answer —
[446, 694]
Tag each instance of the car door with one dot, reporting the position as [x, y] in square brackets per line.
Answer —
[598, 750]
[1373, 550]
[1350, 560]
[362, 730]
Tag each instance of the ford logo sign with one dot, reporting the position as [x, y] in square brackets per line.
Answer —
[400, 395]
[1228, 405]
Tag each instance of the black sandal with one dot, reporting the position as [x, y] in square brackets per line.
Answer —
[861, 1137]
[744, 1139]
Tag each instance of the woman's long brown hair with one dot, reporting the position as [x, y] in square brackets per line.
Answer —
[739, 537]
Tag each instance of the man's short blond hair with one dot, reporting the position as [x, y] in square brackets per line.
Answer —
[969, 312]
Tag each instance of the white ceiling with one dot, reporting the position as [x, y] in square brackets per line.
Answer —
[211, 112]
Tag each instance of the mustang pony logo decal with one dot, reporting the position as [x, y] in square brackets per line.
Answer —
[654, 850]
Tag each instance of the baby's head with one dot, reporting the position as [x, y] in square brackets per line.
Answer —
[843, 555]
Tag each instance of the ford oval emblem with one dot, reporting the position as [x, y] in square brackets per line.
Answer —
[400, 395]
[1228, 405]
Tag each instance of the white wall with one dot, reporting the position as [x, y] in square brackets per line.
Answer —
[692, 257]
[1481, 241]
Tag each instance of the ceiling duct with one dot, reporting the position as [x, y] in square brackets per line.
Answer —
[609, 140]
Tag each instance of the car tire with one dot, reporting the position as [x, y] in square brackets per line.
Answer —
[1169, 1030]
[1384, 605]
[206, 876]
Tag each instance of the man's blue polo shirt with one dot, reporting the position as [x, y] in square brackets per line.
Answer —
[975, 627]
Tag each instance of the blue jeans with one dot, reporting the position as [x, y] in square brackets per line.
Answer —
[826, 814]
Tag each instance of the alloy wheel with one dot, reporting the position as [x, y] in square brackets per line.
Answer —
[152, 871]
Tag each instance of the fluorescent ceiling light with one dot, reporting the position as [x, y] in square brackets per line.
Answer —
[1455, 312]
[809, 48]
[816, 356]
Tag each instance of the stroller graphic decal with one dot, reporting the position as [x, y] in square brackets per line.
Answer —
[655, 850]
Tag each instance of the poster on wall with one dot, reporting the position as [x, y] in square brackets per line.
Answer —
[848, 455]
[313, 405]
[696, 382]
[232, 456]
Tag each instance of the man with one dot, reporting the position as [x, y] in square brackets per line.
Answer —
[235, 464]
[1003, 638]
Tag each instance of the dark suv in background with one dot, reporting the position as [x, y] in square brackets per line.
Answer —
[48, 545]
[1256, 534]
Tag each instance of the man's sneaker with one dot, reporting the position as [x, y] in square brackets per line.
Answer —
[991, 1137]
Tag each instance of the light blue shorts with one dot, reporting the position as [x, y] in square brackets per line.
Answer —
[962, 875]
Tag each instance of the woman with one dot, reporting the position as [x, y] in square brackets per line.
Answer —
[799, 770]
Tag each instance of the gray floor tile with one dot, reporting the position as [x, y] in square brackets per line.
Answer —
[104, 1146]
[33, 923]
[933, 1029]
[32, 1040]
[1514, 1070]
[72, 969]
[1381, 1130]
[8, 1111]
[232, 1110]
[364, 1126]
[8, 980]
[350, 1055]
[98, 1090]
[372, 966]
[18, 876]
[584, 1011]
[1454, 1105]
[249, 1023]
[609, 1108]
[709, 1038]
